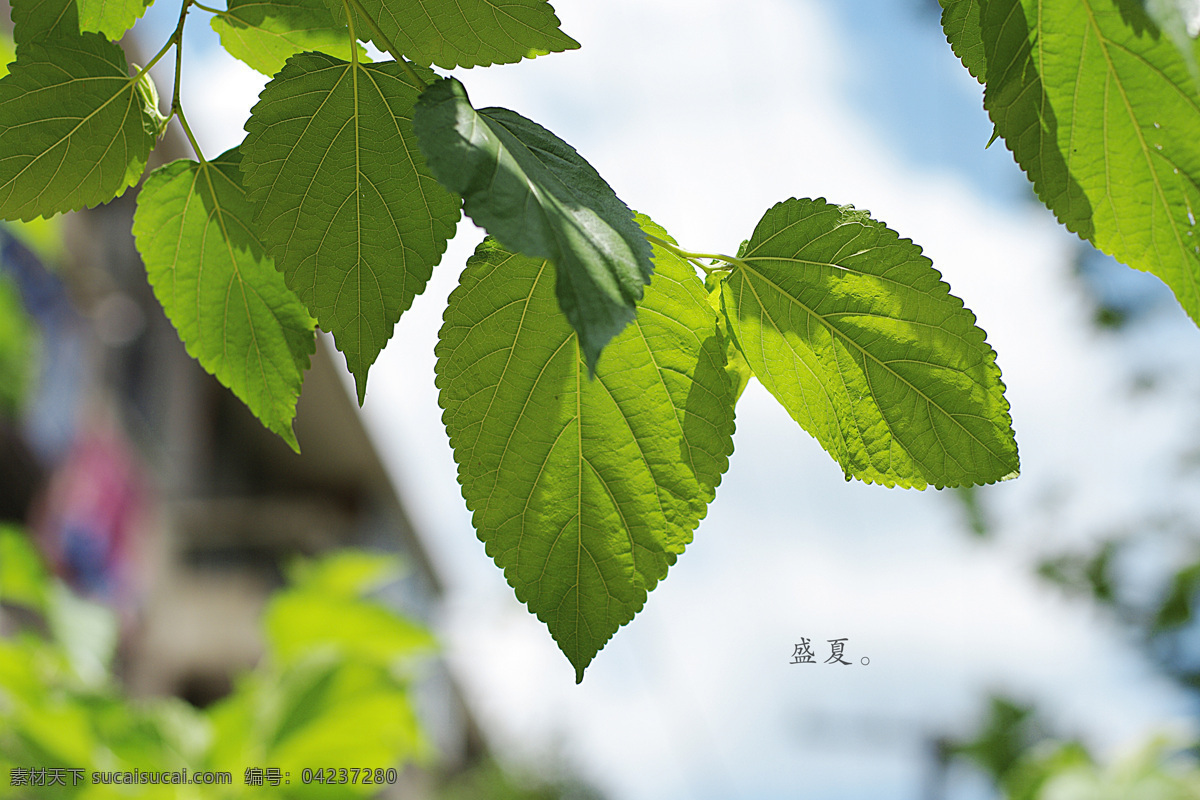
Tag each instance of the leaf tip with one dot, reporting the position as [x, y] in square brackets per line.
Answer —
[288, 434]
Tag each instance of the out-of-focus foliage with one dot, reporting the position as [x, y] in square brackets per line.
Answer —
[1013, 749]
[18, 339]
[489, 781]
[313, 702]
[1161, 617]
[1067, 772]
[1009, 730]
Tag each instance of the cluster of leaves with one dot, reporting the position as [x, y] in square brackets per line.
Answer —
[333, 688]
[588, 373]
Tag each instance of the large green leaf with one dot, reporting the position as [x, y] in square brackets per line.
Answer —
[345, 202]
[263, 33]
[75, 127]
[110, 17]
[853, 331]
[537, 196]
[220, 289]
[584, 492]
[1101, 109]
[465, 33]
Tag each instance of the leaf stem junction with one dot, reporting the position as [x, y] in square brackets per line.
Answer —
[695, 258]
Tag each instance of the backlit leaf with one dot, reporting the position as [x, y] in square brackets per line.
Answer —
[1101, 109]
[537, 196]
[465, 33]
[584, 491]
[263, 33]
[220, 289]
[345, 202]
[110, 17]
[75, 127]
[853, 331]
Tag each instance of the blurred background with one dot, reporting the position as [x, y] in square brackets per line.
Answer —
[1032, 639]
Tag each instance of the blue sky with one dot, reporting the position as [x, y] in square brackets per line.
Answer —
[704, 115]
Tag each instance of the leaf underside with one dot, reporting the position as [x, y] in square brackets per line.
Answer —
[466, 33]
[537, 196]
[853, 331]
[75, 128]
[1101, 109]
[220, 289]
[345, 202]
[584, 491]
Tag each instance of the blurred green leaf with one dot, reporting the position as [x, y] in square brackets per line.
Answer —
[23, 578]
[18, 347]
[1176, 609]
[347, 573]
[301, 621]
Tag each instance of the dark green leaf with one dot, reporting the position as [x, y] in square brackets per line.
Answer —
[345, 202]
[853, 331]
[220, 289]
[43, 20]
[537, 196]
[584, 492]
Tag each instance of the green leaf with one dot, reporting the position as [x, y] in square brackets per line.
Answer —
[735, 363]
[345, 202]
[75, 127]
[465, 33]
[7, 54]
[327, 607]
[264, 33]
[339, 711]
[584, 492]
[219, 288]
[110, 17]
[1101, 110]
[43, 20]
[23, 577]
[298, 622]
[537, 196]
[961, 22]
[344, 573]
[852, 330]
[1176, 609]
